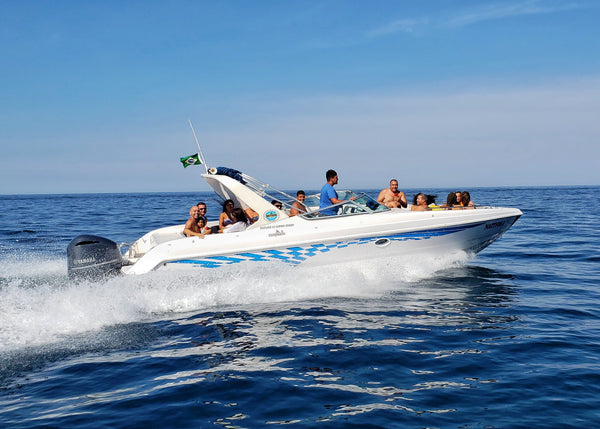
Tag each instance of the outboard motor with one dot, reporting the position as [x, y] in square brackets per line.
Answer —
[93, 257]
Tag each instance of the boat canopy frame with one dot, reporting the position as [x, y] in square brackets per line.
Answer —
[363, 203]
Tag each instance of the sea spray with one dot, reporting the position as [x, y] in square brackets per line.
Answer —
[40, 306]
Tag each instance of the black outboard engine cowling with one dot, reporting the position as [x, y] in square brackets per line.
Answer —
[92, 257]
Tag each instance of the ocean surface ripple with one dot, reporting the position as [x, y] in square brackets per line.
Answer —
[509, 338]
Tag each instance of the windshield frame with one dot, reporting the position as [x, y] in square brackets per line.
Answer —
[363, 204]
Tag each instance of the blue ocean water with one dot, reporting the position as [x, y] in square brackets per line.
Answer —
[510, 338]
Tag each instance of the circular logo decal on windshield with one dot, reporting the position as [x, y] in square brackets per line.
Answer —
[271, 215]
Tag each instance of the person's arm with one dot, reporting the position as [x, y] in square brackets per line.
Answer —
[222, 217]
[381, 197]
[251, 214]
[332, 196]
[335, 200]
[403, 201]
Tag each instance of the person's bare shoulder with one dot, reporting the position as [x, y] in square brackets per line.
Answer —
[382, 195]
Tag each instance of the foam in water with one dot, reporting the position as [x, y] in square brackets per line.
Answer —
[38, 305]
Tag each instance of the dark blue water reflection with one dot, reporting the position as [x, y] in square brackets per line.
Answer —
[508, 339]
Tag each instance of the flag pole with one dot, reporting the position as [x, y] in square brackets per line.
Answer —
[198, 144]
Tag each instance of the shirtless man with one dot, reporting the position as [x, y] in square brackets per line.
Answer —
[392, 197]
[421, 204]
[202, 208]
[298, 207]
[191, 226]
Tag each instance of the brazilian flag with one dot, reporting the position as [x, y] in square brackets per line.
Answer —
[190, 160]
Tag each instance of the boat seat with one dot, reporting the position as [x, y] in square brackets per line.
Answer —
[157, 239]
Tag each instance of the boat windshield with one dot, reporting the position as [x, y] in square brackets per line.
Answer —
[361, 205]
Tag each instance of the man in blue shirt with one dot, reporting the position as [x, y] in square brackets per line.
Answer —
[329, 196]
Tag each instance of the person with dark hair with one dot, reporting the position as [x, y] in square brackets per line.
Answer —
[277, 204]
[225, 216]
[251, 215]
[191, 227]
[458, 198]
[298, 207]
[202, 208]
[420, 203]
[207, 229]
[202, 221]
[329, 196]
[429, 198]
[392, 197]
[466, 200]
[450, 201]
[239, 221]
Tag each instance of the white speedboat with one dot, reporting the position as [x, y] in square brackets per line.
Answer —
[361, 229]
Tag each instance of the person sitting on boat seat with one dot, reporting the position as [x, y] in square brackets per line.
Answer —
[392, 197]
[451, 203]
[192, 228]
[329, 196]
[202, 224]
[207, 229]
[298, 207]
[202, 208]
[431, 202]
[240, 221]
[458, 198]
[420, 203]
[225, 216]
[465, 198]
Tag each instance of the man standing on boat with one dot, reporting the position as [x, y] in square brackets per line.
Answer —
[329, 196]
[392, 197]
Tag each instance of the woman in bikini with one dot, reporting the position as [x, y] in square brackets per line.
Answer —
[239, 221]
[225, 216]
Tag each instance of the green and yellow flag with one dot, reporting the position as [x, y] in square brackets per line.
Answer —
[190, 160]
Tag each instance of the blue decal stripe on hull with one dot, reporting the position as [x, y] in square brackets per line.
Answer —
[295, 255]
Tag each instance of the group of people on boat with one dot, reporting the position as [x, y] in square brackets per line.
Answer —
[455, 201]
[196, 224]
[231, 219]
[235, 219]
[392, 197]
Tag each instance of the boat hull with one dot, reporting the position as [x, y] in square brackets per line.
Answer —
[433, 234]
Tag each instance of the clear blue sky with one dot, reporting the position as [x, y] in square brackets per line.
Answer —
[96, 95]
